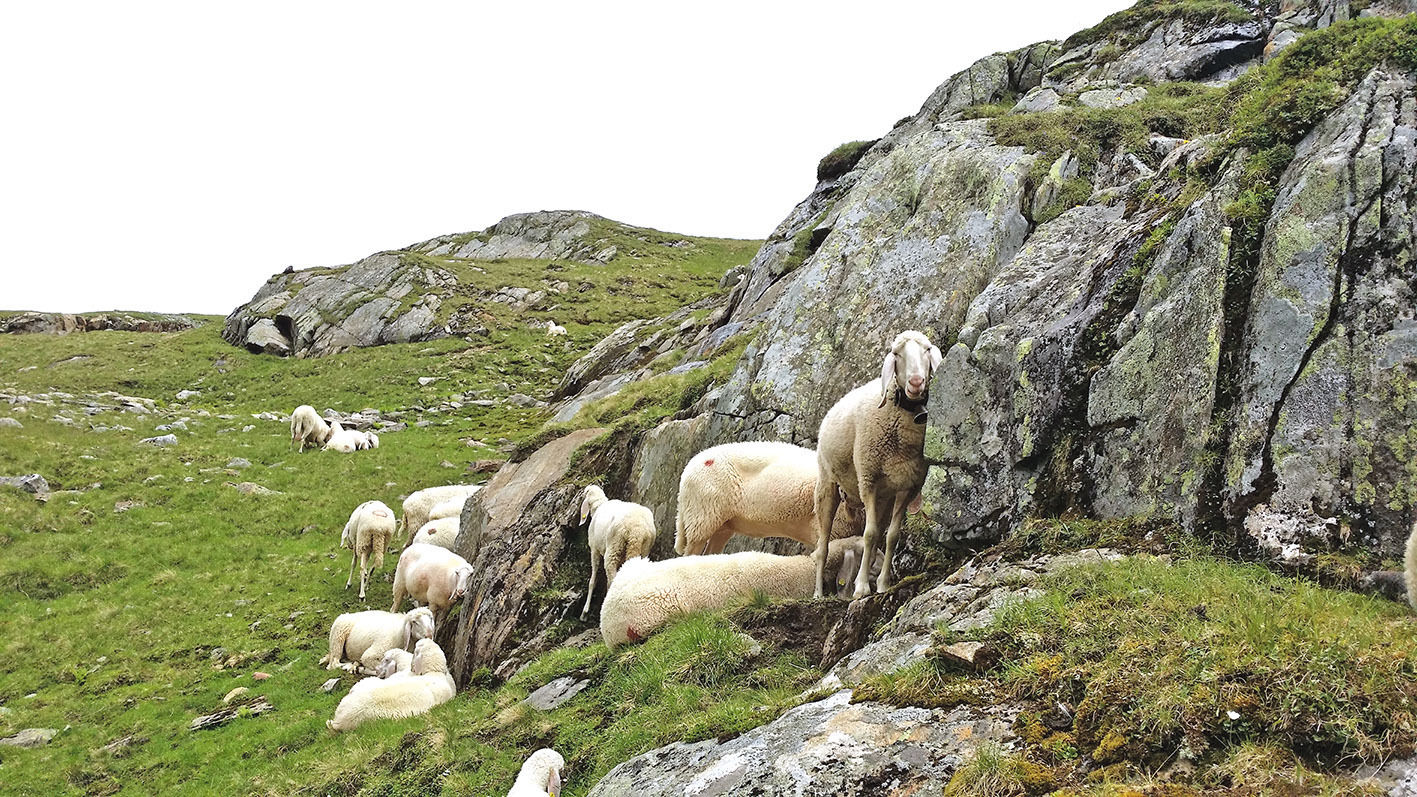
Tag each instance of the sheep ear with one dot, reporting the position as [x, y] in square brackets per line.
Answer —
[887, 377]
[847, 573]
[936, 357]
[553, 783]
[407, 632]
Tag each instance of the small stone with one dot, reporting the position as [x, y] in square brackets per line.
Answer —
[260, 676]
[183, 395]
[233, 694]
[425, 381]
[976, 656]
[30, 483]
[162, 441]
[252, 488]
[31, 737]
[556, 693]
[11, 422]
[522, 400]
[247, 428]
[1112, 97]
[124, 506]
[218, 654]
[329, 686]
[238, 463]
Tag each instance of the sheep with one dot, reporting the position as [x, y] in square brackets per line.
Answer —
[619, 531]
[363, 637]
[646, 595]
[451, 508]
[554, 330]
[306, 426]
[347, 441]
[871, 447]
[396, 662]
[760, 489]
[430, 575]
[540, 776]
[441, 532]
[417, 505]
[1409, 566]
[366, 535]
[428, 684]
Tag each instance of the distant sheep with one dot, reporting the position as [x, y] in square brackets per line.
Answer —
[619, 531]
[418, 505]
[366, 535]
[871, 447]
[441, 532]
[433, 576]
[540, 776]
[428, 684]
[362, 638]
[758, 489]
[646, 595]
[307, 427]
[554, 330]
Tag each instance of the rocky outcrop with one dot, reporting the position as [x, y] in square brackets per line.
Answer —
[64, 323]
[546, 234]
[827, 747]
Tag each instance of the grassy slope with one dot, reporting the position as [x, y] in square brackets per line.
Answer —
[196, 565]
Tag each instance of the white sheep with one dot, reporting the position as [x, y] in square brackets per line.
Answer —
[366, 534]
[347, 441]
[396, 662]
[441, 532]
[1409, 566]
[646, 595]
[307, 427]
[540, 776]
[428, 684]
[432, 576]
[362, 638]
[417, 505]
[619, 531]
[871, 447]
[554, 329]
[451, 508]
[759, 489]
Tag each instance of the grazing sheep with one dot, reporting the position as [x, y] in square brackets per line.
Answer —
[871, 447]
[432, 576]
[619, 531]
[554, 330]
[396, 661]
[418, 505]
[540, 776]
[759, 489]
[441, 532]
[646, 594]
[366, 535]
[1410, 567]
[428, 684]
[362, 638]
[306, 426]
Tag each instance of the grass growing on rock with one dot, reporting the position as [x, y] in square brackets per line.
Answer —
[1132, 25]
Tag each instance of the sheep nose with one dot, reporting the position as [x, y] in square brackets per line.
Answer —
[916, 382]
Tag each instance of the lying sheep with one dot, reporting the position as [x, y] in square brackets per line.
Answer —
[432, 576]
[441, 532]
[362, 638]
[418, 505]
[759, 489]
[540, 776]
[347, 441]
[619, 531]
[554, 330]
[428, 684]
[396, 662]
[366, 535]
[646, 594]
[871, 446]
[307, 427]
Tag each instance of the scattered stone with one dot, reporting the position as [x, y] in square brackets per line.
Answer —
[31, 737]
[976, 656]
[252, 488]
[218, 654]
[258, 706]
[161, 441]
[238, 463]
[446, 464]
[329, 686]
[11, 423]
[1038, 99]
[118, 745]
[124, 506]
[486, 465]
[30, 483]
[183, 395]
[247, 428]
[425, 381]
[240, 691]
[554, 694]
[522, 400]
[260, 676]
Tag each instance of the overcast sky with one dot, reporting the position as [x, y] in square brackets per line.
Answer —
[171, 156]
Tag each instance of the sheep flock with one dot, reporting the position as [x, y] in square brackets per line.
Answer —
[840, 502]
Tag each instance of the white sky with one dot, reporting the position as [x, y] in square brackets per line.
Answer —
[171, 156]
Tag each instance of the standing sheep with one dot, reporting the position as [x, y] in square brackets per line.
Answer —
[554, 330]
[540, 776]
[418, 504]
[366, 535]
[432, 576]
[619, 531]
[428, 684]
[871, 447]
[307, 427]
[363, 638]
[759, 489]
[646, 594]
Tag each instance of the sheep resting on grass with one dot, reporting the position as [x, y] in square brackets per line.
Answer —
[362, 638]
[428, 684]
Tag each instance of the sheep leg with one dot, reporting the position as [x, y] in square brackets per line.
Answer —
[902, 502]
[827, 501]
[398, 589]
[339, 633]
[363, 572]
[352, 556]
[594, 574]
[719, 540]
[868, 544]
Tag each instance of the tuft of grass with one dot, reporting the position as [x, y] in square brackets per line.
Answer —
[842, 159]
[992, 772]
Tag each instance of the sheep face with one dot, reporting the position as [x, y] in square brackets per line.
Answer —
[428, 657]
[457, 582]
[417, 626]
[908, 366]
[389, 664]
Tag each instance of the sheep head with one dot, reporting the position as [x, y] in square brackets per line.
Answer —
[591, 500]
[908, 365]
[457, 582]
[417, 625]
[543, 769]
[428, 658]
[390, 663]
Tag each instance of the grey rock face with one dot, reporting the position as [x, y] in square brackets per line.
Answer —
[11, 423]
[64, 323]
[553, 234]
[30, 483]
[828, 748]
[161, 441]
[1109, 97]
[30, 737]
[556, 693]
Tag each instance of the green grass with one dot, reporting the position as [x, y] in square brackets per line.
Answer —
[1131, 26]
[842, 159]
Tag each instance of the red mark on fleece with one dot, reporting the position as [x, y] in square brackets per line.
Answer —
[708, 462]
[633, 635]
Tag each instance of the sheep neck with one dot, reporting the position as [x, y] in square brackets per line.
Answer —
[916, 407]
